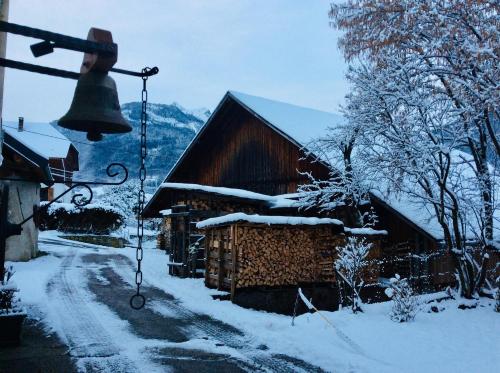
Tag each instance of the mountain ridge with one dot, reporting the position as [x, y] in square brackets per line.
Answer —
[171, 127]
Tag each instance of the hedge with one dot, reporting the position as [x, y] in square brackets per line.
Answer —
[92, 218]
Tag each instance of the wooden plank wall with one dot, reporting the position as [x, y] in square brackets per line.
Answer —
[240, 151]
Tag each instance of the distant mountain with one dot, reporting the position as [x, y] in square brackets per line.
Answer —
[170, 129]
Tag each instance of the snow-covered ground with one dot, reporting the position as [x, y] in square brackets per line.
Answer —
[452, 340]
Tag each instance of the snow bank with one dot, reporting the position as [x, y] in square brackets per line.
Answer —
[264, 219]
[452, 340]
[32, 278]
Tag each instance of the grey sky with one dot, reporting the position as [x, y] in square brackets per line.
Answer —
[281, 49]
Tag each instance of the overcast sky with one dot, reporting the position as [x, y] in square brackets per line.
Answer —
[280, 49]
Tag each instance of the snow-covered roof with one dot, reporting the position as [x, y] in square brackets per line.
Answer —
[272, 201]
[264, 219]
[423, 215]
[300, 124]
[230, 192]
[419, 215]
[41, 138]
[365, 231]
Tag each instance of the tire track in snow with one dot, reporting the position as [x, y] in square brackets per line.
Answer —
[87, 339]
[218, 331]
[254, 358]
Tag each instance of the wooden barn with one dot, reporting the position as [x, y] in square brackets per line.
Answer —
[249, 157]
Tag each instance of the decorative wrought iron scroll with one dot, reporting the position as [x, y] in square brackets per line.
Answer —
[79, 200]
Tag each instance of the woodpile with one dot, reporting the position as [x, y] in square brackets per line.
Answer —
[222, 205]
[285, 255]
[254, 255]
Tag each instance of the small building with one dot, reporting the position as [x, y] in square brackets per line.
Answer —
[35, 156]
[251, 156]
[257, 257]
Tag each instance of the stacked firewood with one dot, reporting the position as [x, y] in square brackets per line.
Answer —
[247, 255]
[285, 256]
[218, 204]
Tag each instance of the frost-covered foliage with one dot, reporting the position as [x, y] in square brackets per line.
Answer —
[91, 218]
[9, 302]
[347, 185]
[424, 110]
[123, 197]
[405, 305]
[349, 265]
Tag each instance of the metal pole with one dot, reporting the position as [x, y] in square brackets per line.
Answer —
[4, 15]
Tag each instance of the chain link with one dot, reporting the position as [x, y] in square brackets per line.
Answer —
[138, 301]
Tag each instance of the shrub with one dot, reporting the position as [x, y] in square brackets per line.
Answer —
[9, 303]
[90, 219]
[351, 262]
[404, 304]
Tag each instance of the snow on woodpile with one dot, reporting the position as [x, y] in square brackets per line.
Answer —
[41, 138]
[284, 220]
[264, 219]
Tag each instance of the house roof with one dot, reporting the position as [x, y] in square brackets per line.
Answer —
[299, 124]
[422, 215]
[41, 138]
[32, 159]
[169, 191]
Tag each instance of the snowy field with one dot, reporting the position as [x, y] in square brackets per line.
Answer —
[451, 340]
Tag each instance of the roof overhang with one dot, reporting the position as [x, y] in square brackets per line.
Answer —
[31, 157]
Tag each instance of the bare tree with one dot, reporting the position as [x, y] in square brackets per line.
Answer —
[428, 105]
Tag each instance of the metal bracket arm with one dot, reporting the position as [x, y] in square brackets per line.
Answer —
[61, 41]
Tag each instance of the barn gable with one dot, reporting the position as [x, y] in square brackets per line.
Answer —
[255, 144]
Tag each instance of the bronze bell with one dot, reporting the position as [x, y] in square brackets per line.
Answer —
[95, 108]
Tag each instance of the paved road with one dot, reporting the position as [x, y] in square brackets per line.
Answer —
[103, 334]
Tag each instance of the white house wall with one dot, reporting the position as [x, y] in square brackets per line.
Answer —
[22, 197]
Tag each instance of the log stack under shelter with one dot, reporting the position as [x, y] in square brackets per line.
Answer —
[257, 253]
[191, 203]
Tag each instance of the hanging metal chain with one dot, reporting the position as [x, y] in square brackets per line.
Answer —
[138, 300]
